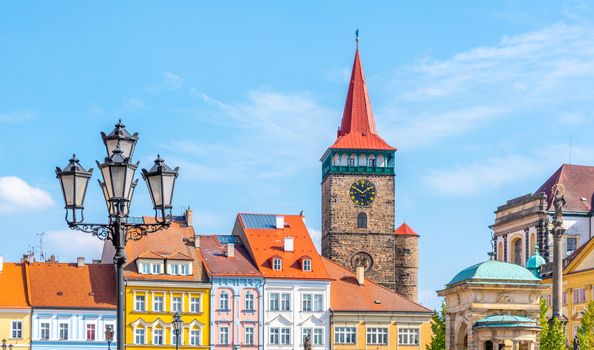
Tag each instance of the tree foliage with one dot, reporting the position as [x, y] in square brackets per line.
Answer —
[585, 331]
[552, 336]
[438, 328]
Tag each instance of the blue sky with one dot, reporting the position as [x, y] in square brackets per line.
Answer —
[481, 99]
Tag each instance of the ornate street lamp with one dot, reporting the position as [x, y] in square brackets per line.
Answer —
[118, 187]
[177, 328]
[108, 337]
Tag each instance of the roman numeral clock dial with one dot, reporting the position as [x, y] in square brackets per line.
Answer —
[362, 192]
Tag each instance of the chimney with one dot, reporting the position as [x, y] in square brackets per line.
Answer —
[280, 222]
[196, 241]
[289, 244]
[1, 263]
[80, 261]
[361, 275]
[188, 215]
[230, 250]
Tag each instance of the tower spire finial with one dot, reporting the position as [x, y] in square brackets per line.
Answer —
[357, 37]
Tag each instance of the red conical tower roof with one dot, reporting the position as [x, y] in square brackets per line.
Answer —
[357, 129]
[404, 229]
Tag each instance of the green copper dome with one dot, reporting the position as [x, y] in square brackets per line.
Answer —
[534, 262]
[492, 271]
[498, 321]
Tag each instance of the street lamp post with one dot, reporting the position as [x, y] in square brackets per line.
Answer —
[108, 337]
[177, 327]
[118, 186]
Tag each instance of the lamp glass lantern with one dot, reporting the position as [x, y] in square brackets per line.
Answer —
[177, 323]
[160, 180]
[74, 180]
[120, 137]
[118, 175]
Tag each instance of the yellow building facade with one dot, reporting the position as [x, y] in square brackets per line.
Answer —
[150, 307]
[402, 332]
[578, 278]
[15, 310]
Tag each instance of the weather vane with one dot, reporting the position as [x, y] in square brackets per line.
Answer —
[357, 35]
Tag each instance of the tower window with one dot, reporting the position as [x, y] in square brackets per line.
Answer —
[351, 162]
[361, 220]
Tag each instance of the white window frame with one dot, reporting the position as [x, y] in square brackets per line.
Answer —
[409, 335]
[307, 302]
[140, 300]
[285, 301]
[277, 264]
[16, 329]
[195, 304]
[195, 339]
[145, 268]
[307, 265]
[345, 335]
[137, 335]
[156, 269]
[175, 306]
[224, 302]
[285, 336]
[376, 333]
[250, 301]
[274, 336]
[161, 338]
[318, 302]
[174, 269]
[66, 329]
[274, 301]
[41, 330]
[248, 336]
[94, 331]
[316, 333]
[161, 303]
[224, 341]
[184, 269]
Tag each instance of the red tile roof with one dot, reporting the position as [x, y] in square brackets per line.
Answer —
[357, 129]
[13, 282]
[347, 295]
[175, 242]
[63, 285]
[404, 229]
[218, 264]
[265, 241]
[579, 187]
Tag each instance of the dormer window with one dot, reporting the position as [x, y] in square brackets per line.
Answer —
[144, 268]
[306, 264]
[156, 268]
[277, 264]
[178, 268]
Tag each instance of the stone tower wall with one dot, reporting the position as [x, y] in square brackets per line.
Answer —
[406, 268]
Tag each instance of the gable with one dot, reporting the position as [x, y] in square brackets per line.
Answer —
[583, 260]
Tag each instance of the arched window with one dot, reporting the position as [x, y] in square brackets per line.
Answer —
[361, 220]
[517, 247]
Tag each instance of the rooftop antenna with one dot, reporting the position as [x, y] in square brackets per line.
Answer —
[41, 252]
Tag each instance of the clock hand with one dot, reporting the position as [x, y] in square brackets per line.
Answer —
[368, 188]
[358, 190]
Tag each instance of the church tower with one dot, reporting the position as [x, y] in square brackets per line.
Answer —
[358, 198]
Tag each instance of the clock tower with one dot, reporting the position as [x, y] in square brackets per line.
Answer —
[358, 208]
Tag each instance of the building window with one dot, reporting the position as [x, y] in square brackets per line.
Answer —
[156, 268]
[307, 301]
[194, 304]
[195, 337]
[44, 330]
[158, 303]
[571, 244]
[277, 264]
[361, 220]
[139, 303]
[224, 335]
[318, 302]
[63, 331]
[139, 336]
[158, 336]
[351, 161]
[16, 329]
[144, 268]
[285, 336]
[517, 251]
[274, 336]
[316, 334]
[177, 304]
[372, 162]
[175, 339]
[249, 336]
[185, 270]
[224, 301]
[307, 265]
[90, 331]
[174, 269]
[345, 335]
[377, 336]
[579, 295]
[274, 302]
[249, 301]
[285, 302]
[408, 336]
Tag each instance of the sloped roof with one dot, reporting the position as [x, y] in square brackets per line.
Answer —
[13, 282]
[63, 285]
[218, 264]
[578, 181]
[264, 241]
[404, 229]
[175, 242]
[347, 295]
[357, 129]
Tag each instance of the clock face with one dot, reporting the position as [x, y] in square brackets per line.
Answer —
[362, 192]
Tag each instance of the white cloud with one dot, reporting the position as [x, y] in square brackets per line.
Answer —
[473, 89]
[68, 245]
[133, 104]
[172, 81]
[16, 195]
[494, 173]
[19, 116]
